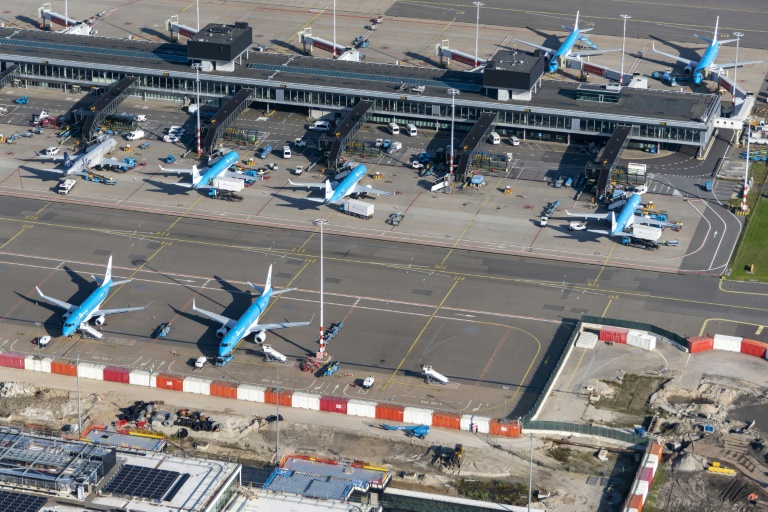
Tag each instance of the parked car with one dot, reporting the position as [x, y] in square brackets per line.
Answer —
[320, 126]
[53, 150]
[577, 226]
[170, 138]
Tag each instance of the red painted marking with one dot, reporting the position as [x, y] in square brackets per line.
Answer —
[270, 199]
[537, 236]
[490, 361]
[142, 184]
[408, 208]
[17, 172]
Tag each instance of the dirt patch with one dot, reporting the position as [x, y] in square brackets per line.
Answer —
[631, 394]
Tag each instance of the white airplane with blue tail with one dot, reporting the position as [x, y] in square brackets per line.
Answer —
[220, 168]
[556, 58]
[76, 318]
[81, 164]
[232, 331]
[335, 192]
[707, 64]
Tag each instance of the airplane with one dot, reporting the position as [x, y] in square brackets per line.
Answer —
[556, 58]
[80, 164]
[232, 331]
[707, 63]
[219, 168]
[336, 191]
[626, 217]
[77, 317]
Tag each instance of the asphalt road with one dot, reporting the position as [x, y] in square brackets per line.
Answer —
[489, 321]
[664, 22]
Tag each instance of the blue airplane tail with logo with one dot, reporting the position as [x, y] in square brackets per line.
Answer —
[67, 161]
[328, 190]
[196, 177]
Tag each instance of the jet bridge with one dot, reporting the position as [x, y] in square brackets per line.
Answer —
[105, 106]
[602, 167]
[7, 76]
[471, 144]
[225, 117]
[337, 141]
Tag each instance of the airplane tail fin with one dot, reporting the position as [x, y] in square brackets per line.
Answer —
[328, 190]
[108, 273]
[67, 161]
[268, 284]
[717, 26]
[613, 223]
[195, 175]
[576, 23]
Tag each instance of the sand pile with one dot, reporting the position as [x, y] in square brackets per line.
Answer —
[689, 462]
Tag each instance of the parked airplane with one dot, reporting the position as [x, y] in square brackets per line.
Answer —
[219, 168]
[621, 224]
[232, 331]
[336, 191]
[77, 317]
[94, 157]
[556, 58]
[707, 63]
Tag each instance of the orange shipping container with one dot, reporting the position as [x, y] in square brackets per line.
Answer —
[637, 502]
[165, 381]
[656, 449]
[389, 412]
[64, 368]
[700, 344]
[446, 420]
[753, 348]
[286, 397]
[223, 389]
[507, 428]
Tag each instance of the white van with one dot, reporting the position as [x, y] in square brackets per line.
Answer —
[411, 130]
[394, 129]
[320, 126]
[141, 118]
[138, 134]
[494, 138]
[192, 108]
[286, 151]
[514, 141]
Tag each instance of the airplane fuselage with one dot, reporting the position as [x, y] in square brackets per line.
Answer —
[564, 50]
[242, 327]
[702, 68]
[347, 184]
[216, 169]
[84, 312]
[85, 162]
[626, 216]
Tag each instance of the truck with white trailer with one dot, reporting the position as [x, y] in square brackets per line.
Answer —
[229, 184]
[357, 208]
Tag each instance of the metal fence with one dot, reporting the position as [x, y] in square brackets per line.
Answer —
[585, 430]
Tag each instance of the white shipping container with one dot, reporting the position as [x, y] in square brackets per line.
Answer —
[303, 400]
[251, 392]
[641, 488]
[230, 184]
[480, 423]
[417, 415]
[362, 408]
[652, 464]
[727, 343]
[31, 362]
[197, 385]
[641, 340]
[142, 378]
[91, 371]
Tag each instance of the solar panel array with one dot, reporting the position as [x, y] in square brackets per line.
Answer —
[318, 480]
[142, 482]
[166, 57]
[15, 502]
[462, 86]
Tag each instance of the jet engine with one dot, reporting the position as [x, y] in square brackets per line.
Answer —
[260, 337]
[688, 69]
[65, 316]
[221, 332]
[100, 320]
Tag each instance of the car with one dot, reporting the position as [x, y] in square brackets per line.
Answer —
[514, 141]
[543, 221]
[320, 126]
[300, 143]
[170, 138]
[417, 165]
[53, 150]
[299, 169]
[577, 226]
[174, 129]
[43, 341]
[179, 132]
[27, 134]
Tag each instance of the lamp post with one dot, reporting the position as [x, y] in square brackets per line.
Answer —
[530, 478]
[623, 40]
[198, 14]
[334, 29]
[38, 339]
[197, 67]
[453, 93]
[738, 35]
[277, 419]
[79, 417]
[321, 350]
[477, 27]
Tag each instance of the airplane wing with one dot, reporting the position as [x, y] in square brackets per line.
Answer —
[367, 189]
[100, 312]
[66, 305]
[272, 327]
[589, 53]
[57, 158]
[308, 185]
[601, 216]
[177, 171]
[223, 320]
[548, 50]
[733, 64]
[108, 161]
[675, 57]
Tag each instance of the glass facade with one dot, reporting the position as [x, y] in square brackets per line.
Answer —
[422, 112]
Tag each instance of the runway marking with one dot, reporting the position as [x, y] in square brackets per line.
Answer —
[13, 237]
[469, 224]
[317, 230]
[420, 335]
[568, 386]
[111, 295]
[602, 267]
[307, 23]
[606, 308]
[704, 325]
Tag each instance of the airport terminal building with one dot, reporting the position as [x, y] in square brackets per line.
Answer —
[511, 88]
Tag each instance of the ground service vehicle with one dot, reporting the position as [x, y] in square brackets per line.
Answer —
[648, 245]
[22, 101]
[320, 126]
[577, 226]
[357, 208]
[265, 152]
[65, 186]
